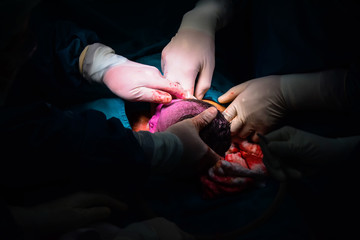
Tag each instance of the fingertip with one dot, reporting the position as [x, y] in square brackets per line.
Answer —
[204, 118]
[236, 126]
[227, 97]
[255, 138]
[202, 88]
[209, 159]
[188, 95]
[227, 116]
[222, 99]
[261, 139]
[209, 114]
[161, 97]
[212, 110]
[199, 96]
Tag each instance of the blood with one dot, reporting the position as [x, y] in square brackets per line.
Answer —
[176, 90]
[243, 153]
[161, 97]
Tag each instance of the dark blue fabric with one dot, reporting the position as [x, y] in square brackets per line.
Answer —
[44, 145]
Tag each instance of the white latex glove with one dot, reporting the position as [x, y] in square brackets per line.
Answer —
[153, 229]
[191, 52]
[261, 103]
[257, 106]
[65, 214]
[288, 151]
[129, 80]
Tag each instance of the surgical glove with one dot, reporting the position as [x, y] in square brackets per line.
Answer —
[65, 214]
[195, 152]
[324, 90]
[191, 52]
[257, 107]
[289, 152]
[180, 150]
[129, 80]
[153, 229]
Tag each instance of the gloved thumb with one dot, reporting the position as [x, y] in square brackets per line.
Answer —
[93, 214]
[204, 118]
[153, 95]
[232, 93]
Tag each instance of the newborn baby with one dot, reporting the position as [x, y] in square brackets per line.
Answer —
[241, 157]
[216, 135]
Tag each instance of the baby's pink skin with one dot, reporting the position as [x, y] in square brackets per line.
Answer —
[168, 114]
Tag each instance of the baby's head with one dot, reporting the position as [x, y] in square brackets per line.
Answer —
[216, 135]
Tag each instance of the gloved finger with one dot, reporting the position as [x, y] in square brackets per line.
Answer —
[293, 173]
[204, 80]
[282, 149]
[272, 164]
[237, 170]
[232, 93]
[185, 79]
[230, 112]
[245, 131]
[277, 173]
[87, 216]
[255, 137]
[163, 63]
[144, 94]
[236, 126]
[209, 159]
[170, 87]
[84, 200]
[282, 134]
[238, 180]
[204, 118]
[227, 180]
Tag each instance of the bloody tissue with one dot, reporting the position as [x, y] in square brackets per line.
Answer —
[241, 169]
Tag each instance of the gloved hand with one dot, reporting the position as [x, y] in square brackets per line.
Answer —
[192, 50]
[195, 151]
[180, 150]
[153, 229]
[65, 214]
[258, 105]
[289, 151]
[129, 80]
[261, 103]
